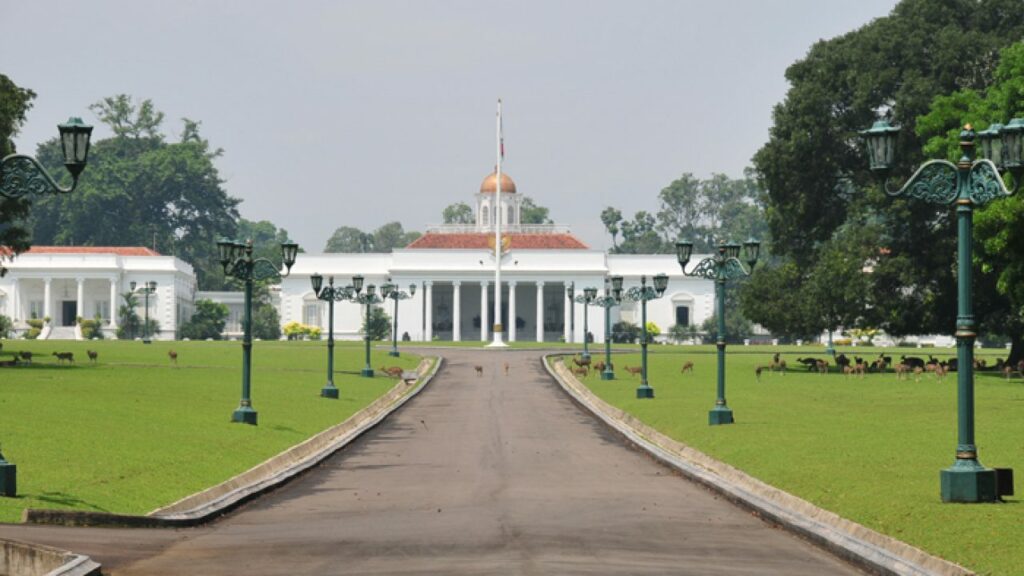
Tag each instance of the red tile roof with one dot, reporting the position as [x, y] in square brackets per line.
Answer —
[484, 241]
[118, 250]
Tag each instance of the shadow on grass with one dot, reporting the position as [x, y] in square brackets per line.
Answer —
[66, 500]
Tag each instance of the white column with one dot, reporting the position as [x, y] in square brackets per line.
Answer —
[46, 298]
[540, 311]
[80, 298]
[511, 311]
[113, 303]
[567, 317]
[484, 320]
[429, 296]
[457, 311]
[16, 302]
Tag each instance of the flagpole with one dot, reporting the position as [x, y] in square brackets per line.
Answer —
[499, 153]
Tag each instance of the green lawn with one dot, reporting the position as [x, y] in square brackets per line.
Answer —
[134, 432]
[869, 449]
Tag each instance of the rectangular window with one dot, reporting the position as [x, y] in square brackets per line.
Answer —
[682, 315]
[35, 309]
[311, 314]
[101, 309]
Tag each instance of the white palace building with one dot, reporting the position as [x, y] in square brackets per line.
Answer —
[451, 266]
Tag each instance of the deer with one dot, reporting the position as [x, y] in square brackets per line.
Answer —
[939, 371]
[902, 370]
[634, 370]
[479, 370]
[93, 355]
[26, 356]
[687, 367]
[758, 370]
[506, 367]
[581, 371]
[173, 356]
[600, 366]
[393, 371]
[809, 363]
[64, 357]
[778, 364]
[918, 371]
[581, 361]
[822, 366]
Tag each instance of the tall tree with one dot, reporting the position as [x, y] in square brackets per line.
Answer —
[999, 226]
[705, 211]
[814, 171]
[530, 213]
[140, 190]
[15, 103]
[383, 239]
[458, 213]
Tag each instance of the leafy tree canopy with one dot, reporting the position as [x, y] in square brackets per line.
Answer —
[704, 211]
[15, 102]
[458, 213]
[815, 176]
[140, 190]
[384, 239]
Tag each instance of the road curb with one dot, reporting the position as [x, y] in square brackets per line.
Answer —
[207, 505]
[17, 557]
[858, 544]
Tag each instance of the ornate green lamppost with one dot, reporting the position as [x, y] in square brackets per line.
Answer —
[643, 293]
[610, 299]
[368, 299]
[571, 293]
[721, 267]
[391, 291]
[965, 185]
[587, 298]
[146, 289]
[237, 261]
[21, 175]
[329, 294]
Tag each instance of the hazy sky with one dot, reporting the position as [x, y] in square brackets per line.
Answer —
[361, 113]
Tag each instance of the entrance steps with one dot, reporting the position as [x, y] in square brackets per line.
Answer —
[63, 333]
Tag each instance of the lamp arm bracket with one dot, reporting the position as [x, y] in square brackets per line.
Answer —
[21, 175]
[732, 268]
[985, 183]
[934, 181]
[263, 269]
[706, 269]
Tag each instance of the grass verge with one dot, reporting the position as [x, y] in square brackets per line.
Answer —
[869, 449]
[134, 431]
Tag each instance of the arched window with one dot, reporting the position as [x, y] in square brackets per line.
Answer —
[486, 218]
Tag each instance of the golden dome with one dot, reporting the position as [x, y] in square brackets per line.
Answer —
[489, 185]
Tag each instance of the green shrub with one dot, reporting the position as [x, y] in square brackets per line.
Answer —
[207, 321]
[91, 328]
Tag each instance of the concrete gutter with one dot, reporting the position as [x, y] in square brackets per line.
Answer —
[213, 502]
[864, 547]
[26, 559]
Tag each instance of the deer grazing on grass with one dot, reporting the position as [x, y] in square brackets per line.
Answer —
[93, 355]
[580, 361]
[64, 357]
[393, 371]
[822, 366]
[778, 364]
[173, 356]
[687, 367]
[26, 356]
[758, 370]
[581, 371]
[600, 366]
[634, 370]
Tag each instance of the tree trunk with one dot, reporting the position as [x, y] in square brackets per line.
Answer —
[1016, 349]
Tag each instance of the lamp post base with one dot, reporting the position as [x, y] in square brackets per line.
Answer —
[645, 392]
[8, 478]
[968, 481]
[329, 391]
[147, 341]
[720, 415]
[394, 354]
[245, 415]
[366, 373]
[608, 375]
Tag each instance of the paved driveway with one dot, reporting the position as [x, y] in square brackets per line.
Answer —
[491, 474]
